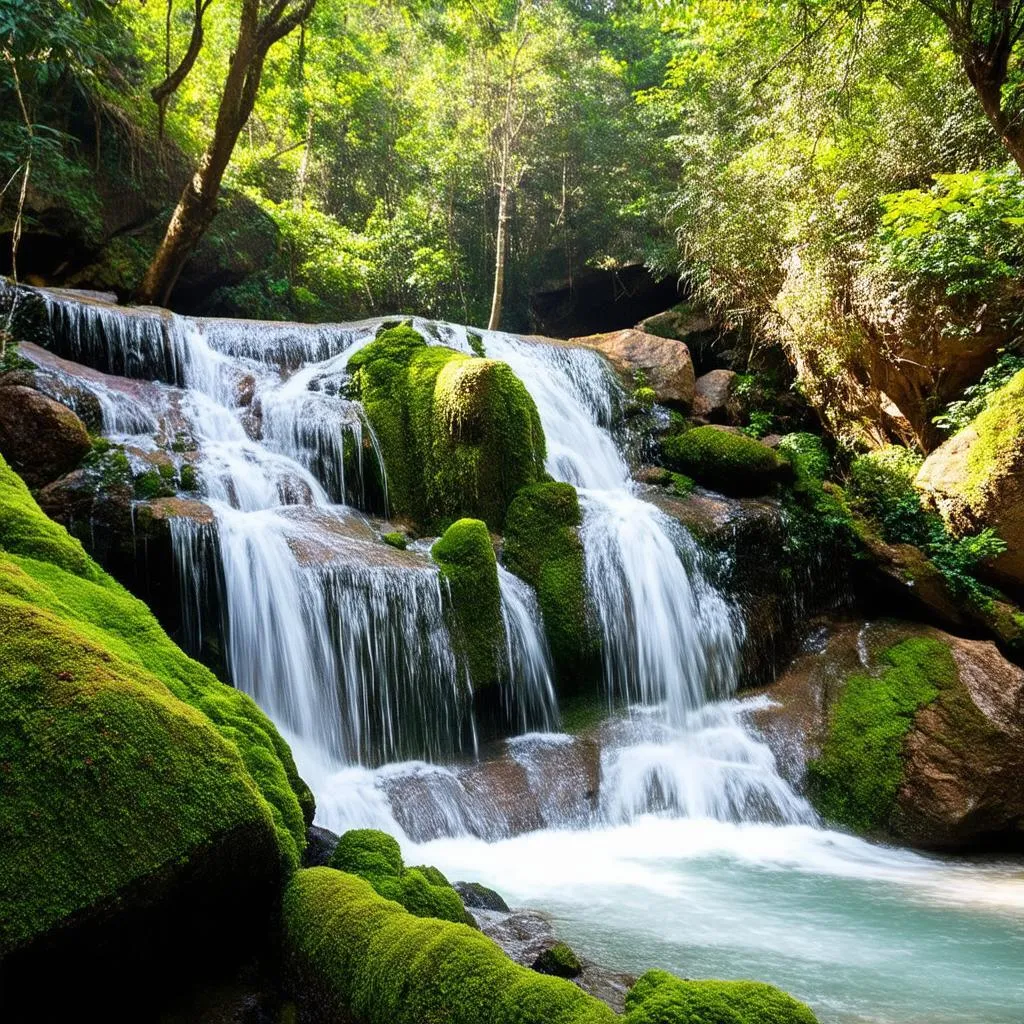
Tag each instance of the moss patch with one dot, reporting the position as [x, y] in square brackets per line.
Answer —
[376, 857]
[460, 435]
[660, 998]
[542, 546]
[1000, 430]
[119, 755]
[558, 960]
[730, 463]
[856, 779]
[467, 563]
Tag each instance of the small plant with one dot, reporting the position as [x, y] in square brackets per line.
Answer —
[476, 343]
[644, 398]
[760, 424]
[959, 414]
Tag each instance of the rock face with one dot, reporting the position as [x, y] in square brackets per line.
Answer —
[664, 362]
[907, 732]
[712, 397]
[39, 437]
[976, 478]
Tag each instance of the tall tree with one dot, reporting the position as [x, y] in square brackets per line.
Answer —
[261, 24]
[985, 35]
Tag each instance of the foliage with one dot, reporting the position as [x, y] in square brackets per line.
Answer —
[658, 997]
[959, 414]
[855, 780]
[760, 424]
[727, 462]
[808, 454]
[376, 857]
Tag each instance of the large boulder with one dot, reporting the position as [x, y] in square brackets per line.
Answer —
[148, 813]
[41, 438]
[724, 460]
[976, 479]
[906, 732]
[664, 363]
[713, 397]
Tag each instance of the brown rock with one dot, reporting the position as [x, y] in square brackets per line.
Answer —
[678, 323]
[712, 394]
[39, 437]
[664, 362]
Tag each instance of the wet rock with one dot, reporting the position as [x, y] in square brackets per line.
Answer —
[663, 362]
[81, 401]
[39, 437]
[320, 846]
[478, 897]
[713, 397]
[559, 960]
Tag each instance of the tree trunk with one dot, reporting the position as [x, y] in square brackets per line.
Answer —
[494, 323]
[991, 96]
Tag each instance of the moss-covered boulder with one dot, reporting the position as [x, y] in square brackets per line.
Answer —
[727, 462]
[660, 998]
[138, 794]
[468, 566]
[460, 435]
[976, 478]
[910, 732]
[41, 438]
[377, 858]
[558, 959]
[542, 546]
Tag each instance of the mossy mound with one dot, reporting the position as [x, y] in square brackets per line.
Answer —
[460, 435]
[124, 762]
[559, 960]
[660, 998]
[376, 857]
[855, 780]
[731, 463]
[542, 547]
[468, 566]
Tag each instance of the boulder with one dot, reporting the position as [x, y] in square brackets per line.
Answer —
[39, 437]
[679, 322]
[725, 460]
[713, 397]
[478, 897]
[663, 362]
[906, 732]
[558, 959]
[976, 479]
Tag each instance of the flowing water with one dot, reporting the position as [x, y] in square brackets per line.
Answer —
[671, 840]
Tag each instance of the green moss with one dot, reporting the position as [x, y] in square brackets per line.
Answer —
[542, 546]
[466, 558]
[459, 435]
[659, 998]
[354, 955]
[682, 485]
[395, 540]
[376, 857]
[856, 778]
[154, 484]
[119, 752]
[558, 960]
[476, 343]
[189, 479]
[807, 454]
[999, 448]
[725, 462]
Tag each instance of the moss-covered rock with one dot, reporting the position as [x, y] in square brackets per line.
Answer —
[660, 998]
[730, 463]
[376, 857]
[460, 435]
[40, 437]
[542, 546]
[468, 566]
[126, 766]
[559, 960]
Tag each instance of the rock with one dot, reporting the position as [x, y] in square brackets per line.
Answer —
[713, 394]
[478, 897]
[558, 959]
[907, 732]
[725, 460]
[678, 323]
[320, 846]
[976, 479]
[79, 399]
[665, 363]
[40, 438]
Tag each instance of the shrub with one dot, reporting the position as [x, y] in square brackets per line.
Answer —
[722, 461]
[808, 455]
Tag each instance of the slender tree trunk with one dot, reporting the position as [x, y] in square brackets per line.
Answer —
[1011, 134]
[494, 323]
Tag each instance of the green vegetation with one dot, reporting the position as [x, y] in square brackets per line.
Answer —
[659, 998]
[1000, 429]
[855, 780]
[558, 960]
[542, 546]
[396, 539]
[460, 435]
[959, 414]
[466, 557]
[376, 857]
[125, 760]
[722, 461]
[807, 454]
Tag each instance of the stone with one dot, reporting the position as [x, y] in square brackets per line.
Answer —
[559, 960]
[320, 846]
[39, 437]
[664, 363]
[713, 392]
[478, 897]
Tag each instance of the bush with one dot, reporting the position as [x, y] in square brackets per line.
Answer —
[730, 463]
[808, 455]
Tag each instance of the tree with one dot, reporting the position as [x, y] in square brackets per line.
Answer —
[985, 35]
[164, 90]
[261, 24]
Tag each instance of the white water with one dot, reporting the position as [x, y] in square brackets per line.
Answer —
[729, 878]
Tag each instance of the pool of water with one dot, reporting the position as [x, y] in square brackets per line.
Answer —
[861, 932]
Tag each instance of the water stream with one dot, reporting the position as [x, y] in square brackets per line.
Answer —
[672, 840]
